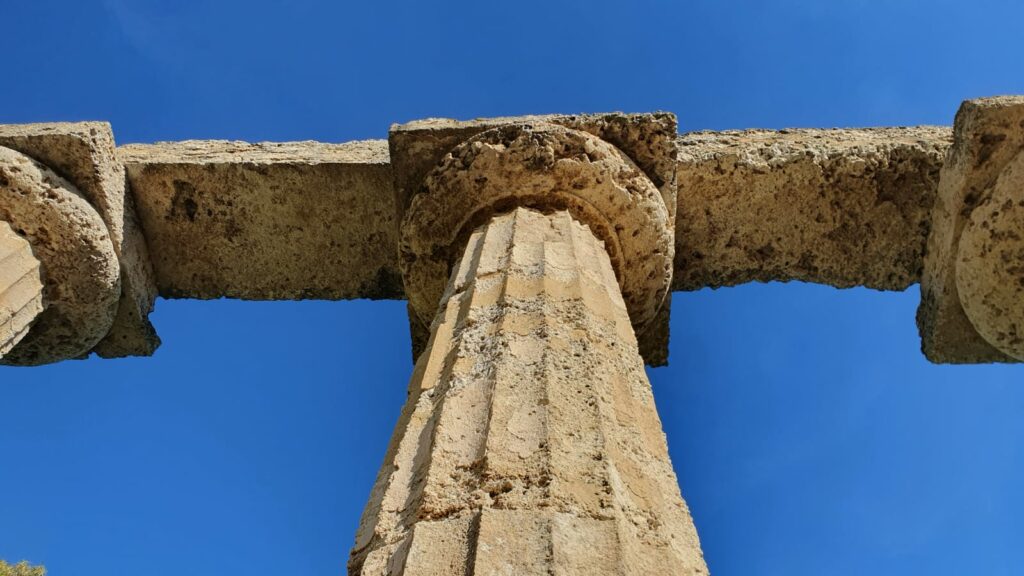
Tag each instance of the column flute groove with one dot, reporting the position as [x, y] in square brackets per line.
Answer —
[21, 288]
[529, 415]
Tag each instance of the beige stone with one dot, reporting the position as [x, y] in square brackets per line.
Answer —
[648, 140]
[529, 443]
[990, 263]
[21, 288]
[537, 248]
[975, 240]
[83, 154]
[547, 167]
[79, 264]
[839, 207]
[267, 221]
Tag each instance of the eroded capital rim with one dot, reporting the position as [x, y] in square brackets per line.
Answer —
[545, 167]
[82, 279]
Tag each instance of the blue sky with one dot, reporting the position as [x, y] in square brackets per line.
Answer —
[809, 434]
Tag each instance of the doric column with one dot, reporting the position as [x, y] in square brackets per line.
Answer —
[21, 288]
[530, 443]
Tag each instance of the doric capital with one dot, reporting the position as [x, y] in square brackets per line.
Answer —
[990, 262]
[83, 155]
[82, 281]
[546, 167]
[444, 165]
[972, 287]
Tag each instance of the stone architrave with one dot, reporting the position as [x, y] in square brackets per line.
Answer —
[267, 221]
[530, 443]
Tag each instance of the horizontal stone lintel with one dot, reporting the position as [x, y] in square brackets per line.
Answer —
[844, 207]
[267, 221]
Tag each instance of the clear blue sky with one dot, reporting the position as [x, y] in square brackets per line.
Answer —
[809, 434]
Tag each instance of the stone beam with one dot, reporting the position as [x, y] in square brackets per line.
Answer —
[972, 292]
[267, 221]
[839, 207]
[844, 207]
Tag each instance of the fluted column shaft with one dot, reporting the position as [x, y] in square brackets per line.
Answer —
[529, 443]
[21, 288]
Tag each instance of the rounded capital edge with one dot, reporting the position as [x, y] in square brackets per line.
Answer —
[81, 272]
[546, 167]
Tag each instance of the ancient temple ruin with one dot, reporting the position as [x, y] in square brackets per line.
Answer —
[537, 255]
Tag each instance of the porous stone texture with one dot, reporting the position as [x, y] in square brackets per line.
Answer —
[973, 279]
[546, 167]
[267, 221]
[83, 154]
[21, 288]
[990, 263]
[844, 207]
[648, 140]
[80, 267]
[529, 443]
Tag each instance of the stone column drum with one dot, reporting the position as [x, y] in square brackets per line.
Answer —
[21, 288]
[530, 443]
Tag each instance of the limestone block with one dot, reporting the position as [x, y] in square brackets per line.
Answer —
[838, 207]
[530, 443]
[21, 288]
[79, 264]
[973, 281]
[267, 221]
[83, 154]
[648, 140]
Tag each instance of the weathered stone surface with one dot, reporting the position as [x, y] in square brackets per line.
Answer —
[838, 207]
[79, 263]
[648, 140]
[21, 288]
[975, 243]
[990, 263]
[530, 443]
[83, 154]
[546, 167]
[267, 221]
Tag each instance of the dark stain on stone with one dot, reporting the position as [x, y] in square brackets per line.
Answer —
[385, 285]
[183, 203]
[989, 143]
